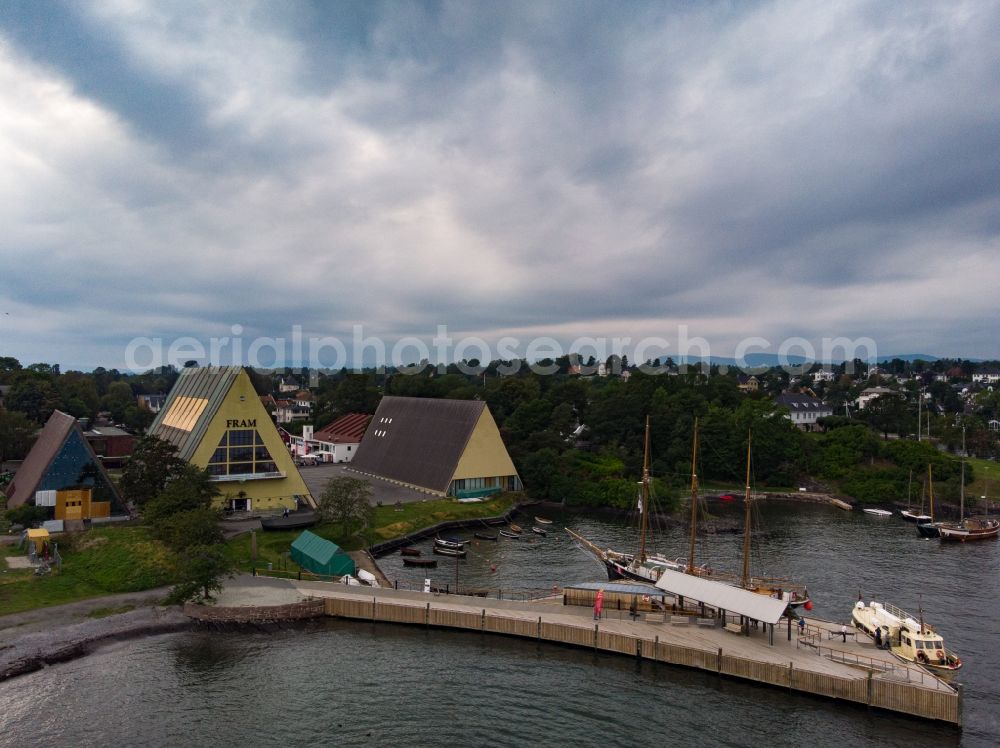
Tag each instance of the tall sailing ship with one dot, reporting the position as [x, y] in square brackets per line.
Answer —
[971, 528]
[930, 529]
[647, 567]
[908, 514]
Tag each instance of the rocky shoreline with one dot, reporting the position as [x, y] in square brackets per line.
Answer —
[33, 651]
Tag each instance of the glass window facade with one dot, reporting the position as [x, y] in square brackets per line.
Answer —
[241, 452]
[75, 467]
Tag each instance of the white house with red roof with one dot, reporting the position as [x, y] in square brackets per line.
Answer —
[337, 442]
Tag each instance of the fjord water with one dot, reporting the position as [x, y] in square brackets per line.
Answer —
[344, 683]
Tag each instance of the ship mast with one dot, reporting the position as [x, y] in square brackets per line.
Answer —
[930, 489]
[694, 498]
[961, 500]
[745, 575]
[909, 488]
[644, 507]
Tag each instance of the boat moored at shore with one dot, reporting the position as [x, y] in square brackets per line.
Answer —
[908, 638]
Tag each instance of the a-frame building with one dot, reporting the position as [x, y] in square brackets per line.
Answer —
[63, 472]
[446, 447]
[217, 422]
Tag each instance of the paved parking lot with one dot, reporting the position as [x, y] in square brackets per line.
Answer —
[317, 476]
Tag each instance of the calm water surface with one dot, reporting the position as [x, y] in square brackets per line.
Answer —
[339, 683]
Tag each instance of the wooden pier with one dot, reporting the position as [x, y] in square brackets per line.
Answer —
[815, 661]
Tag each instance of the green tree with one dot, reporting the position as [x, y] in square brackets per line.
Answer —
[16, 436]
[347, 502]
[189, 489]
[202, 570]
[153, 463]
[118, 400]
[8, 366]
[182, 517]
[35, 397]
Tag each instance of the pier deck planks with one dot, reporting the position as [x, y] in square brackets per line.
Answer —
[787, 664]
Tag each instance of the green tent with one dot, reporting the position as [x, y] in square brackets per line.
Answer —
[320, 556]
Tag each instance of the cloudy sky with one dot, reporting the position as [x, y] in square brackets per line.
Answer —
[768, 169]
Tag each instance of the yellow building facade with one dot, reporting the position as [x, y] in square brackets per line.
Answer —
[215, 418]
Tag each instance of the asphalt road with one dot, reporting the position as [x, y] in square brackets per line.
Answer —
[317, 476]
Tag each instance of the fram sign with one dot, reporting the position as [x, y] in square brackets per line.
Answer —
[246, 423]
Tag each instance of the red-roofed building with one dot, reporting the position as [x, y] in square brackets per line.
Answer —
[336, 442]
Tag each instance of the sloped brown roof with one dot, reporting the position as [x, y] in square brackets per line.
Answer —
[346, 429]
[45, 449]
[417, 440]
[39, 458]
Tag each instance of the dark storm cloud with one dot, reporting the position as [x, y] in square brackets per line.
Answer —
[761, 169]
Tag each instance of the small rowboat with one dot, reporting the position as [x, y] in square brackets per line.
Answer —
[484, 536]
[543, 521]
[538, 531]
[430, 563]
[451, 545]
[293, 521]
[516, 528]
[511, 535]
[409, 551]
[450, 552]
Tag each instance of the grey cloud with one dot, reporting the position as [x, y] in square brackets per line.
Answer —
[531, 165]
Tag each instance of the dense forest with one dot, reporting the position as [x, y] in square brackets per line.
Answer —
[579, 438]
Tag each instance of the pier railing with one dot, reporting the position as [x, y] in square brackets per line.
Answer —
[896, 671]
[896, 695]
[516, 594]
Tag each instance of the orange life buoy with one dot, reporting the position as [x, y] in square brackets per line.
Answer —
[940, 654]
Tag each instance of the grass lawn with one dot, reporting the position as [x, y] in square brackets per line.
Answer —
[987, 482]
[101, 561]
[114, 559]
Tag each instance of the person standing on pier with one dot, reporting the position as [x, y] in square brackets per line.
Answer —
[843, 632]
[598, 604]
[878, 638]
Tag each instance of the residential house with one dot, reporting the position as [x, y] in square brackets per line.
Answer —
[803, 410]
[336, 442]
[748, 383]
[288, 384]
[289, 411]
[152, 403]
[870, 393]
[987, 375]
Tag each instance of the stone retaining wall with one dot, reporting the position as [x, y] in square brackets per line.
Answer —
[381, 549]
[259, 614]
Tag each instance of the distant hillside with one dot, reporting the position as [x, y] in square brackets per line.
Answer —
[767, 360]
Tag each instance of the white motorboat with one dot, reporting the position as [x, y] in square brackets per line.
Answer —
[878, 512]
[368, 578]
[908, 638]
